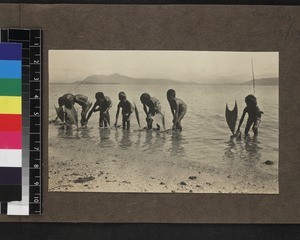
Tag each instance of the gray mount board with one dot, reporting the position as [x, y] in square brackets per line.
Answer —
[175, 27]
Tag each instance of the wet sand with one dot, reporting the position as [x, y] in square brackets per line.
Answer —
[80, 163]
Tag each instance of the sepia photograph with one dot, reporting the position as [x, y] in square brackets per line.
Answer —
[163, 121]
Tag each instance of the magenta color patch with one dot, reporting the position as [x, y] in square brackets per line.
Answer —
[10, 140]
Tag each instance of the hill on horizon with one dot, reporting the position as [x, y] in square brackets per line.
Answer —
[263, 82]
[122, 79]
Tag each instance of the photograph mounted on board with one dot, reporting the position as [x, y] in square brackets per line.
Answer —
[163, 121]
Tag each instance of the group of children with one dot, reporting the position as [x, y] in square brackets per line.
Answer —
[151, 106]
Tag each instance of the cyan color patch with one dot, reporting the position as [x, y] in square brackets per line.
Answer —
[10, 68]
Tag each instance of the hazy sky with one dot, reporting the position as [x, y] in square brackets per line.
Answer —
[196, 66]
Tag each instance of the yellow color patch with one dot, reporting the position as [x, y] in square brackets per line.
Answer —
[10, 105]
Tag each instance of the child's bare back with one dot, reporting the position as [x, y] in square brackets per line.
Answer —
[178, 103]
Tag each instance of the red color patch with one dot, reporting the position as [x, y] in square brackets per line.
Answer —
[10, 122]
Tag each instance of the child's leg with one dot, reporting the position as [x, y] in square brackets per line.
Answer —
[178, 126]
[105, 122]
[107, 117]
[128, 124]
[248, 126]
[180, 117]
[149, 122]
[123, 122]
[255, 127]
[101, 119]
[126, 118]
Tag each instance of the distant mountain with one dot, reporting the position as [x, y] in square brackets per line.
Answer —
[122, 79]
[263, 82]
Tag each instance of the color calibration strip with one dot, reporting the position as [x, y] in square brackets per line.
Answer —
[10, 122]
[31, 40]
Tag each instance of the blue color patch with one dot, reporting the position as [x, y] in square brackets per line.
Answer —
[10, 68]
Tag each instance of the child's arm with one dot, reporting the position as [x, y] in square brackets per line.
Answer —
[145, 109]
[259, 113]
[172, 111]
[131, 109]
[59, 109]
[109, 106]
[60, 103]
[176, 110]
[96, 107]
[241, 120]
[153, 106]
[92, 110]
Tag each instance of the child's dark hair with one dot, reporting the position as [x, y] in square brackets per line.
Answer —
[171, 93]
[145, 97]
[99, 95]
[122, 96]
[251, 100]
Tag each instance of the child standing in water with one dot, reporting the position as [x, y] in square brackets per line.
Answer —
[254, 115]
[151, 107]
[178, 109]
[127, 110]
[102, 104]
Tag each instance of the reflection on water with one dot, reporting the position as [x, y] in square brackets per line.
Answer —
[105, 141]
[85, 133]
[138, 140]
[147, 144]
[149, 141]
[154, 142]
[125, 141]
[231, 150]
[238, 151]
[253, 149]
[245, 151]
[176, 147]
[68, 133]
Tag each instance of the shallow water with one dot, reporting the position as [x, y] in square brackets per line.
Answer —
[205, 138]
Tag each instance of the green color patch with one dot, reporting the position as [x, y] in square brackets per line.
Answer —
[10, 87]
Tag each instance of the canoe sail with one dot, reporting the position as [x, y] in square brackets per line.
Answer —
[72, 116]
[253, 81]
[231, 117]
[60, 113]
[163, 120]
[137, 114]
[67, 115]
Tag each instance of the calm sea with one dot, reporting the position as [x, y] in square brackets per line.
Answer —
[205, 137]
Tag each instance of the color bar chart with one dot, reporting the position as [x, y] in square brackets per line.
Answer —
[10, 122]
[31, 136]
